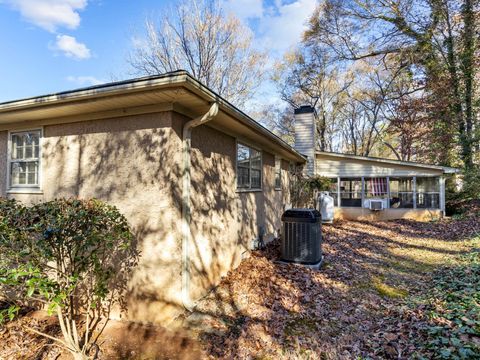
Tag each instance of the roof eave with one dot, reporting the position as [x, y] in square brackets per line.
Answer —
[444, 169]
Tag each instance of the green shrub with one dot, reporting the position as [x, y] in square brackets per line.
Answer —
[72, 256]
[303, 189]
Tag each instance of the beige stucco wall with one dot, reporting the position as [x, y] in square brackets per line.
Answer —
[225, 221]
[387, 214]
[135, 163]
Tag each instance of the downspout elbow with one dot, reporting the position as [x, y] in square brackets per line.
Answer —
[186, 184]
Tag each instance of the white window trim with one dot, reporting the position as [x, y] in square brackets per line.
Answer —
[24, 189]
[250, 189]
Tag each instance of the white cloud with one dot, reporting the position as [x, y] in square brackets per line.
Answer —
[85, 80]
[70, 47]
[50, 14]
[244, 9]
[277, 27]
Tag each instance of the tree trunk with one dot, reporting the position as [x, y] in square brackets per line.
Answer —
[467, 69]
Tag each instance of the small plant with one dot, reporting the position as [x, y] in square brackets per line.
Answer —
[71, 257]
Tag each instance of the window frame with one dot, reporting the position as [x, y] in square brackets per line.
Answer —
[278, 172]
[249, 188]
[24, 188]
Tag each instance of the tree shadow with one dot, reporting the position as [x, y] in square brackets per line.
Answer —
[288, 309]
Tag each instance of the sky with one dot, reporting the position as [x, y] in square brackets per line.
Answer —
[48, 46]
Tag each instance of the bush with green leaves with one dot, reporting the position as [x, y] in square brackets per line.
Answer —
[72, 257]
[303, 189]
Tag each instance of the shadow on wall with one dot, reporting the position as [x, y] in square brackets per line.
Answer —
[224, 222]
[133, 163]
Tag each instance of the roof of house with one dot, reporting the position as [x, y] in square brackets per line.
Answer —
[445, 169]
[177, 91]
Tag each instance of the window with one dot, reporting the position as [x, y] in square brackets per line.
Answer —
[351, 192]
[249, 168]
[278, 173]
[24, 159]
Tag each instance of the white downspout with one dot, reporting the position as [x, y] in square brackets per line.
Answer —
[186, 233]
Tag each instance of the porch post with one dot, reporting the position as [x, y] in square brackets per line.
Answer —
[363, 190]
[338, 191]
[442, 194]
[414, 192]
[388, 192]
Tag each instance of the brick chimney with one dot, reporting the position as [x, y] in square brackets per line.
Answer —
[305, 135]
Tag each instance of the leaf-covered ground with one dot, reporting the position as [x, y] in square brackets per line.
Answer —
[399, 289]
[387, 290]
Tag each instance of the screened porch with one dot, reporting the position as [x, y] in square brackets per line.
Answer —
[395, 192]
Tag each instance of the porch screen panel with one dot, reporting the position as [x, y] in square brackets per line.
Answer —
[332, 190]
[401, 193]
[428, 193]
[351, 192]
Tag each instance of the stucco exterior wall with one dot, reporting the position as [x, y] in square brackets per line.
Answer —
[135, 163]
[225, 222]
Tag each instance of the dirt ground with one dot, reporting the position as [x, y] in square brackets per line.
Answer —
[352, 308]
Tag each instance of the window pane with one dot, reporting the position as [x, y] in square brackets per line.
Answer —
[256, 179]
[243, 153]
[278, 173]
[256, 159]
[28, 151]
[243, 177]
[18, 173]
[17, 147]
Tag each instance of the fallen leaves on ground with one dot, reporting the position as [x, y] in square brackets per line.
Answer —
[357, 305]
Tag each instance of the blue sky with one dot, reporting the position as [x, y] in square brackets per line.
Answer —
[53, 45]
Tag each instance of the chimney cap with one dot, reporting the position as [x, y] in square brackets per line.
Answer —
[304, 109]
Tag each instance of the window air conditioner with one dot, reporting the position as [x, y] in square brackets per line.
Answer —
[376, 205]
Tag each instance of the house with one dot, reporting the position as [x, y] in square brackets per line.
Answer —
[368, 188]
[199, 181]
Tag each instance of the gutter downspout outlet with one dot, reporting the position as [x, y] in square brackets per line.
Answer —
[186, 204]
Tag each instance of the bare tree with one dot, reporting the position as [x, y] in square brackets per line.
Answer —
[199, 37]
[306, 77]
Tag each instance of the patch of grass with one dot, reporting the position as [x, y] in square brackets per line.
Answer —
[388, 291]
[297, 326]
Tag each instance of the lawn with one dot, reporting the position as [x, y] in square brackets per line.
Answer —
[387, 290]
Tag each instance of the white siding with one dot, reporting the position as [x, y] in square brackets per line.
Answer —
[305, 139]
[330, 166]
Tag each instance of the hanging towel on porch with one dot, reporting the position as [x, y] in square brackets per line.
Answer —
[378, 186]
